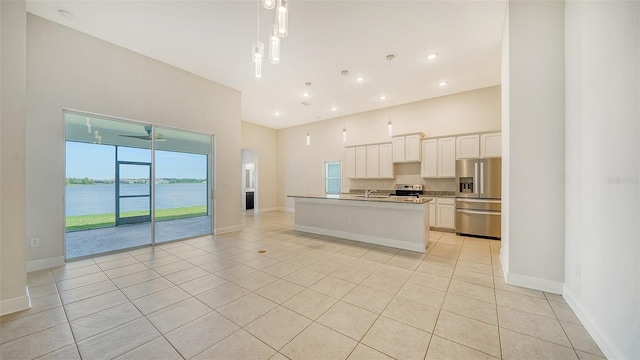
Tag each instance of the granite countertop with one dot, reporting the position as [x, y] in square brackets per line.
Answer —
[373, 198]
[440, 194]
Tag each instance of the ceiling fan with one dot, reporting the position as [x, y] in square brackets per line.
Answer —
[158, 136]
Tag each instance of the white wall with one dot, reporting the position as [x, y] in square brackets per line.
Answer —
[13, 95]
[300, 167]
[263, 141]
[535, 149]
[69, 69]
[602, 171]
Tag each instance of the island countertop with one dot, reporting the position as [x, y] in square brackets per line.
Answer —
[371, 198]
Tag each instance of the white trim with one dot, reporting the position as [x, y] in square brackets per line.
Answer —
[227, 229]
[275, 208]
[599, 336]
[20, 303]
[505, 269]
[36, 265]
[287, 209]
[534, 283]
[364, 238]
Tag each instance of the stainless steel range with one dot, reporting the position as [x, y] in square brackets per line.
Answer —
[408, 191]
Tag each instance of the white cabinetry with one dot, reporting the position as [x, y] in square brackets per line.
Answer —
[350, 163]
[386, 161]
[361, 162]
[479, 146]
[439, 158]
[447, 157]
[373, 162]
[429, 165]
[446, 213]
[369, 162]
[398, 149]
[491, 145]
[468, 147]
[406, 148]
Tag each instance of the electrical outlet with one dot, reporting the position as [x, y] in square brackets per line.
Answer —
[444, 185]
[35, 242]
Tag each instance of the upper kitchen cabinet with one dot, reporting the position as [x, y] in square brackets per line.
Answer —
[439, 158]
[468, 147]
[406, 148]
[479, 146]
[350, 163]
[369, 162]
[447, 157]
[373, 161]
[361, 162]
[386, 161]
[491, 145]
[429, 165]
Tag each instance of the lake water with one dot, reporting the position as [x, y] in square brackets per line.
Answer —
[100, 199]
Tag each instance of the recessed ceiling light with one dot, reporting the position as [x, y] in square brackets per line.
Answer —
[432, 56]
[360, 79]
[383, 97]
[305, 94]
[276, 113]
[443, 83]
[65, 14]
[334, 108]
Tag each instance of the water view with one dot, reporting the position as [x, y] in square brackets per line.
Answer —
[100, 199]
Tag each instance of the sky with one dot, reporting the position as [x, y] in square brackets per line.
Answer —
[97, 162]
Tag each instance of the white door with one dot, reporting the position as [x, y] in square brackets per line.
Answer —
[412, 148]
[468, 147]
[361, 162]
[447, 158]
[398, 149]
[373, 162]
[386, 161]
[429, 165]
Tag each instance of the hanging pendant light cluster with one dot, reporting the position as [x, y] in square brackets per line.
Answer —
[277, 31]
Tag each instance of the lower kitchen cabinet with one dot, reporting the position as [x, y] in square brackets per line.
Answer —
[442, 213]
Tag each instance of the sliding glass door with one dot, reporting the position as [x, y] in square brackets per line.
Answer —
[130, 185]
[182, 164]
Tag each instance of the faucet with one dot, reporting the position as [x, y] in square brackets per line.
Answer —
[368, 192]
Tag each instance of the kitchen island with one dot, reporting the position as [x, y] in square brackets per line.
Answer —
[397, 222]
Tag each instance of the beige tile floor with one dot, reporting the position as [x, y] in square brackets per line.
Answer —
[306, 297]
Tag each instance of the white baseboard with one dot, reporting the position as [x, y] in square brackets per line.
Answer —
[36, 265]
[505, 268]
[19, 303]
[287, 209]
[275, 208]
[598, 335]
[227, 229]
[533, 283]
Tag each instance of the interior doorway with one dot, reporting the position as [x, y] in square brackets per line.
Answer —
[250, 199]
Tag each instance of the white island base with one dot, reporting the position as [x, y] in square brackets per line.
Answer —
[398, 224]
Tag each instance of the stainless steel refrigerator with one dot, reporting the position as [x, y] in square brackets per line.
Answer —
[478, 194]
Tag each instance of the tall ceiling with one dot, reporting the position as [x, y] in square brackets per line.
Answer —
[213, 39]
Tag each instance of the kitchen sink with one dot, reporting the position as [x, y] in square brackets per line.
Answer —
[372, 196]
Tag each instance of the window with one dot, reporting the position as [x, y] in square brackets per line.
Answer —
[332, 177]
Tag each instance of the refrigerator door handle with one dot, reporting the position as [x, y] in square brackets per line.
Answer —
[476, 212]
[475, 178]
[481, 178]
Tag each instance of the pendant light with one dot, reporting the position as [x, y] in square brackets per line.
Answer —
[308, 138]
[88, 125]
[282, 17]
[269, 4]
[274, 45]
[389, 124]
[257, 51]
[344, 98]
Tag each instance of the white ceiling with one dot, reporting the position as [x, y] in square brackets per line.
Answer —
[213, 39]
